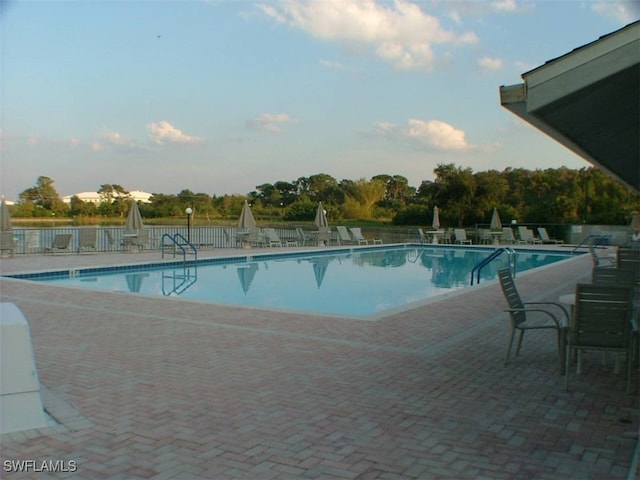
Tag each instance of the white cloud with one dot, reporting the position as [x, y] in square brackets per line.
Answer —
[504, 5]
[437, 134]
[113, 140]
[488, 63]
[625, 11]
[163, 133]
[400, 33]
[433, 134]
[271, 122]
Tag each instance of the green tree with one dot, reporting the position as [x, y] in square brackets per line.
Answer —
[44, 195]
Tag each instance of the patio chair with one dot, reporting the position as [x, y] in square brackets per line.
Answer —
[526, 236]
[343, 236]
[544, 237]
[484, 236]
[303, 238]
[461, 236]
[602, 321]
[356, 233]
[629, 258]
[31, 241]
[60, 243]
[532, 316]
[7, 243]
[507, 236]
[140, 240]
[88, 239]
[613, 276]
[271, 237]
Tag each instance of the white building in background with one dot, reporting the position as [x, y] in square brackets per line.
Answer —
[94, 197]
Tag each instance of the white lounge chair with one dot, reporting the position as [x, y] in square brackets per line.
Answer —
[88, 239]
[526, 236]
[271, 237]
[356, 234]
[461, 236]
[60, 243]
[544, 237]
[343, 236]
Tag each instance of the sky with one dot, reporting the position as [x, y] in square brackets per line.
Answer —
[221, 96]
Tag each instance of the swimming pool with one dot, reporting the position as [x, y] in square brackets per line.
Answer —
[358, 282]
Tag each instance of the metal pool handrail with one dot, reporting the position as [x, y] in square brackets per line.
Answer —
[179, 244]
[496, 253]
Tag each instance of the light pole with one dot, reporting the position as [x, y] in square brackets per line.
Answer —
[188, 211]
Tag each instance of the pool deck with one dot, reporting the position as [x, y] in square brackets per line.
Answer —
[164, 388]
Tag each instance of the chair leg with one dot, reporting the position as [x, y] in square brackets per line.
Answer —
[562, 344]
[567, 367]
[520, 342]
[506, 360]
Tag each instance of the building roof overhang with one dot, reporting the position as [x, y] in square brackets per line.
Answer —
[589, 101]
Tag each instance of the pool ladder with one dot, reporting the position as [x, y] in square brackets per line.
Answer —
[177, 243]
[511, 262]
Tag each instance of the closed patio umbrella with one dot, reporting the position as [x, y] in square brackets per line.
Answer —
[246, 217]
[5, 217]
[496, 224]
[134, 219]
[436, 218]
[321, 217]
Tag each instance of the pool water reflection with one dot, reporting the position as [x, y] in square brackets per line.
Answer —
[356, 282]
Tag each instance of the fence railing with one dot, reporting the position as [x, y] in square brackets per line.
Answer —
[113, 239]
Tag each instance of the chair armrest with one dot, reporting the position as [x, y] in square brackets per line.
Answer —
[555, 304]
[540, 310]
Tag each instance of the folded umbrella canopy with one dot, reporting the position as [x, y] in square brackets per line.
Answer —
[246, 217]
[496, 224]
[134, 219]
[321, 217]
[435, 223]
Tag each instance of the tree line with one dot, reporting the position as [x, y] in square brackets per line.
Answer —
[464, 198]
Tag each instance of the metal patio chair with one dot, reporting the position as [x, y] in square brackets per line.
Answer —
[602, 321]
[532, 316]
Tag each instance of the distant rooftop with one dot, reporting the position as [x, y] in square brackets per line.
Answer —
[94, 197]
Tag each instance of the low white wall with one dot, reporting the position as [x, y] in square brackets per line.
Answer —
[20, 402]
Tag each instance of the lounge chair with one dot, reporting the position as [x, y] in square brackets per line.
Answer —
[356, 234]
[271, 237]
[60, 243]
[88, 239]
[526, 236]
[461, 236]
[7, 243]
[544, 237]
[532, 316]
[31, 241]
[602, 321]
[343, 236]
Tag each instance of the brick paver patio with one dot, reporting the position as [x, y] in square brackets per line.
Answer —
[164, 388]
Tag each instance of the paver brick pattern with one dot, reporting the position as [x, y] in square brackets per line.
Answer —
[171, 389]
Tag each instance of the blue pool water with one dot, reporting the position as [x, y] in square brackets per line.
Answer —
[356, 282]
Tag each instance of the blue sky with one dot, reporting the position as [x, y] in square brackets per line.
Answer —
[221, 96]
